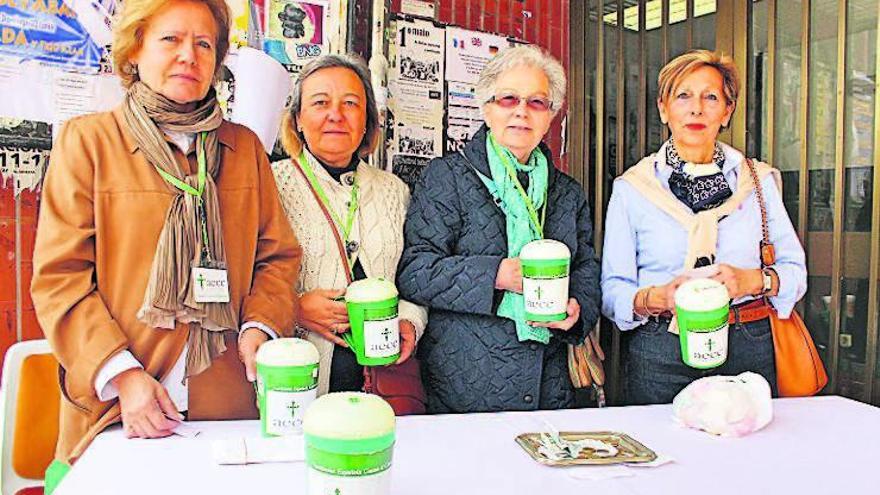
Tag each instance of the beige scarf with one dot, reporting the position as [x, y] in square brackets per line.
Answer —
[702, 227]
[169, 296]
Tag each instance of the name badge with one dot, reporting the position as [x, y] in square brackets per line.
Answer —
[210, 285]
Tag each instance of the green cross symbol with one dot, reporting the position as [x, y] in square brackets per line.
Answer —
[337, 492]
[293, 406]
[539, 291]
[201, 280]
[709, 344]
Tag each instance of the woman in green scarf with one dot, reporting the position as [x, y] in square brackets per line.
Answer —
[470, 216]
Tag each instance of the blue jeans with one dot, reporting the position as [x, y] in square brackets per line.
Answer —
[654, 373]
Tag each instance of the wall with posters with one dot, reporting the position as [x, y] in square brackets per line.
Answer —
[55, 64]
[540, 22]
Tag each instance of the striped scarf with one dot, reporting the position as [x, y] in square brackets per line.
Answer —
[169, 297]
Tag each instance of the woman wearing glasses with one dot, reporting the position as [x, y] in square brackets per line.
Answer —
[471, 214]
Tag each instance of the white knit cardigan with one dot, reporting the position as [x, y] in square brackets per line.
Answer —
[377, 228]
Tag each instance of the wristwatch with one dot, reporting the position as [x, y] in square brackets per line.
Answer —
[767, 279]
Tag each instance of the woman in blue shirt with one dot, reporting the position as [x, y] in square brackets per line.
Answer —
[648, 252]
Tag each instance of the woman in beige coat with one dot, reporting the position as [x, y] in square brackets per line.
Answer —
[332, 125]
[133, 200]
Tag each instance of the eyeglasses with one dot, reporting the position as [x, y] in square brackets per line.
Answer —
[537, 103]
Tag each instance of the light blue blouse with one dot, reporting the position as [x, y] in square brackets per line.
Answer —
[644, 246]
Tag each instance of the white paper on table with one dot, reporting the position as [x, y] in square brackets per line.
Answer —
[261, 90]
[596, 473]
[243, 450]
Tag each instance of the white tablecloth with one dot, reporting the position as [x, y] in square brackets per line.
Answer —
[818, 445]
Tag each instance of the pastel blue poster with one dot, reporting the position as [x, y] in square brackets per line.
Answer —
[47, 31]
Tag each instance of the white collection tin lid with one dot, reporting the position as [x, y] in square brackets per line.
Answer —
[370, 290]
[545, 249]
[287, 352]
[349, 416]
[701, 294]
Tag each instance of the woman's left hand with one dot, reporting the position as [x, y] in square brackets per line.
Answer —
[574, 312]
[407, 340]
[739, 281]
[250, 340]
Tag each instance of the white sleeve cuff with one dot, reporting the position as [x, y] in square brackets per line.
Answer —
[122, 361]
[255, 324]
[417, 315]
[625, 316]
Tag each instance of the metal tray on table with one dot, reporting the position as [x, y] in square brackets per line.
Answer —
[630, 450]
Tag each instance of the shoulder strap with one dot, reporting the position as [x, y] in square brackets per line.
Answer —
[339, 245]
[768, 253]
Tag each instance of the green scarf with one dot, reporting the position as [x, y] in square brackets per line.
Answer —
[523, 225]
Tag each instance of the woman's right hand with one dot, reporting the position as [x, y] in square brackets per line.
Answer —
[662, 298]
[659, 298]
[147, 410]
[320, 313]
[509, 276]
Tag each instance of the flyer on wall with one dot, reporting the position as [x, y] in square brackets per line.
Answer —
[296, 31]
[24, 151]
[416, 106]
[50, 33]
[467, 52]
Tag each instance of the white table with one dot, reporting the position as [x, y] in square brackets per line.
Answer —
[818, 445]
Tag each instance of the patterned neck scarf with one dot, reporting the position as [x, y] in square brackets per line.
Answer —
[699, 186]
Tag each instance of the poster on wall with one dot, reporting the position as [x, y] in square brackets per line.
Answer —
[463, 118]
[416, 106]
[467, 53]
[48, 32]
[239, 11]
[24, 151]
[296, 31]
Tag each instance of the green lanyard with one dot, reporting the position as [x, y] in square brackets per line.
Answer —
[352, 204]
[202, 175]
[511, 172]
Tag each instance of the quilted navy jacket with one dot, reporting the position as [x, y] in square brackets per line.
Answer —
[455, 239]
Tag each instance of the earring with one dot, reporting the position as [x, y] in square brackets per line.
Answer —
[130, 69]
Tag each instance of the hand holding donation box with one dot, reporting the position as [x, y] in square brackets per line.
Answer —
[375, 325]
[545, 269]
[702, 307]
[287, 381]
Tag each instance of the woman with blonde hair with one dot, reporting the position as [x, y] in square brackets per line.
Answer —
[162, 259]
[330, 192]
[649, 252]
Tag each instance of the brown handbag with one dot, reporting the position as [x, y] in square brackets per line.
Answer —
[399, 384]
[799, 369]
[585, 367]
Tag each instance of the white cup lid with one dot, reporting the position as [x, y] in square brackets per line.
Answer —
[349, 416]
[287, 352]
[701, 294]
[369, 290]
[545, 249]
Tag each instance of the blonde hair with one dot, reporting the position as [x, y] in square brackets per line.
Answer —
[128, 32]
[683, 65]
[292, 138]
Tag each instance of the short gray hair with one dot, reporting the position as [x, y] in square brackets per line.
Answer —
[523, 55]
[359, 67]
